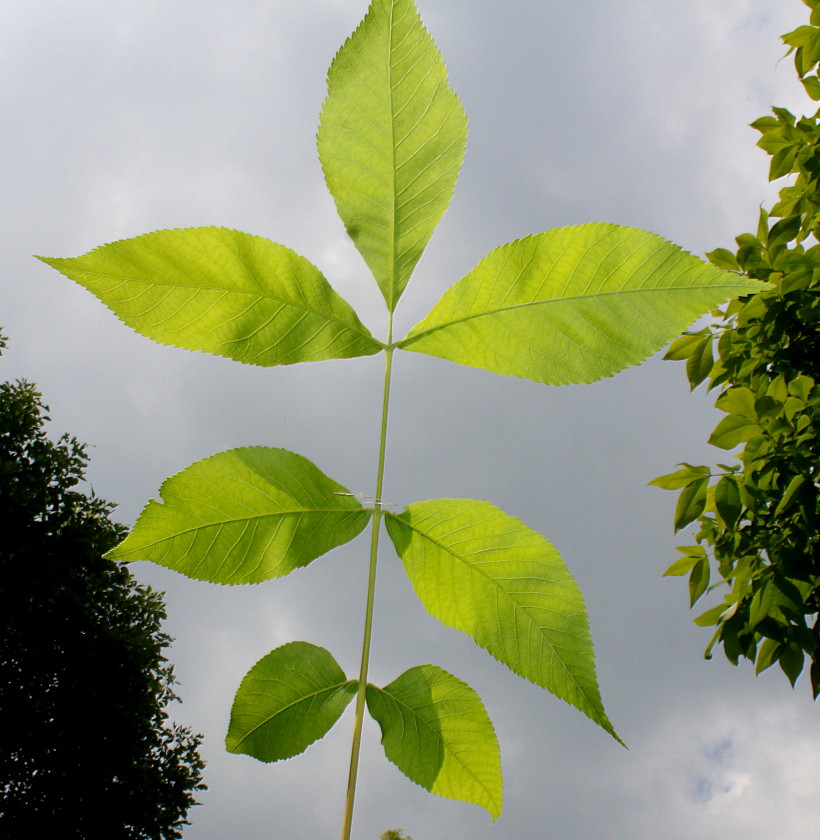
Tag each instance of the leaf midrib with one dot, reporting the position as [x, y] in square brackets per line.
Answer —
[239, 519]
[269, 718]
[260, 294]
[413, 337]
[443, 743]
[552, 647]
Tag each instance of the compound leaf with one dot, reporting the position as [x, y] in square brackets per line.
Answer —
[572, 305]
[483, 572]
[223, 292]
[244, 516]
[436, 731]
[288, 700]
[391, 140]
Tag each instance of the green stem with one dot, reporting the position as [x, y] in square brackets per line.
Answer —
[371, 593]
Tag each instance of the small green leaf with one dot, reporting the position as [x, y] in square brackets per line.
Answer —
[733, 430]
[699, 365]
[711, 616]
[794, 485]
[436, 731]
[761, 604]
[691, 502]
[722, 258]
[480, 571]
[680, 478]
[727, 500]
[289, 699]
[683, 347]
[391, 140]
[244, 516]
[791, 661]
[572, 305]
[686, 563]
[740, 401]
[698, 580]
[768, 653]
[224, 292]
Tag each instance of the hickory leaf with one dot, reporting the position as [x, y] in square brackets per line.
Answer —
[288, 700]
[572, 305]
[244, 516]
[436, 731]
[391, 140]
[483, 572]
[223, 292]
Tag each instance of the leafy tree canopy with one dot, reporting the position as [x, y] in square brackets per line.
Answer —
[759, 519]
[86, 750]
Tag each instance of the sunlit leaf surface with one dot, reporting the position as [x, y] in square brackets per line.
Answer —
[572, 305]
[288, 700]
[244, 516]
[436, 731]
[391, 140]
[483, 572]
[223, 292]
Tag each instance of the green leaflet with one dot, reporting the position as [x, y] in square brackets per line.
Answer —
[224, 292]
[244, 516]
[483, 572]
[572, 305]
[288, 700]
[436, 731]
[391, 140]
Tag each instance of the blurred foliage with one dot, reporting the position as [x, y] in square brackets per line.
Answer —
[86, 750]
[759, 520]
[395, 834]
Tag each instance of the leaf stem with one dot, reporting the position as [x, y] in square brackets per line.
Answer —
[371, 592]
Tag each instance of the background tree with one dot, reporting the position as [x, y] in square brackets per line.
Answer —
[395, 834]
[759, 520]
[86, 750]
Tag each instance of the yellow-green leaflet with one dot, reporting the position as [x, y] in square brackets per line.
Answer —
[483, 572]
[391, 140]
[572, 305]
[288, 700]
[244, 516]
[436, 731]
[224, 292]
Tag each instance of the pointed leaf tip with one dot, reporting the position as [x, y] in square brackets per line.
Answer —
[391, 140]
[480, 571]
[223, 292]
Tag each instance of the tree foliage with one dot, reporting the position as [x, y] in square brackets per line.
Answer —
[758, 520]
[86, 750]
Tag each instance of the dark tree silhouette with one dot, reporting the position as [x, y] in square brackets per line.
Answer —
[86, 748]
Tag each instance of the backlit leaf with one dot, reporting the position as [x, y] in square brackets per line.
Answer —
[436, 731]
[288, 700]
[732, 430]
[680, 478]
[391, 140]
[572, 305]
[480, 571]
[223, 292]
[244, 516]
[691, 502]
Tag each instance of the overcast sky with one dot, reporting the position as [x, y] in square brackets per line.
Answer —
[126, 116]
